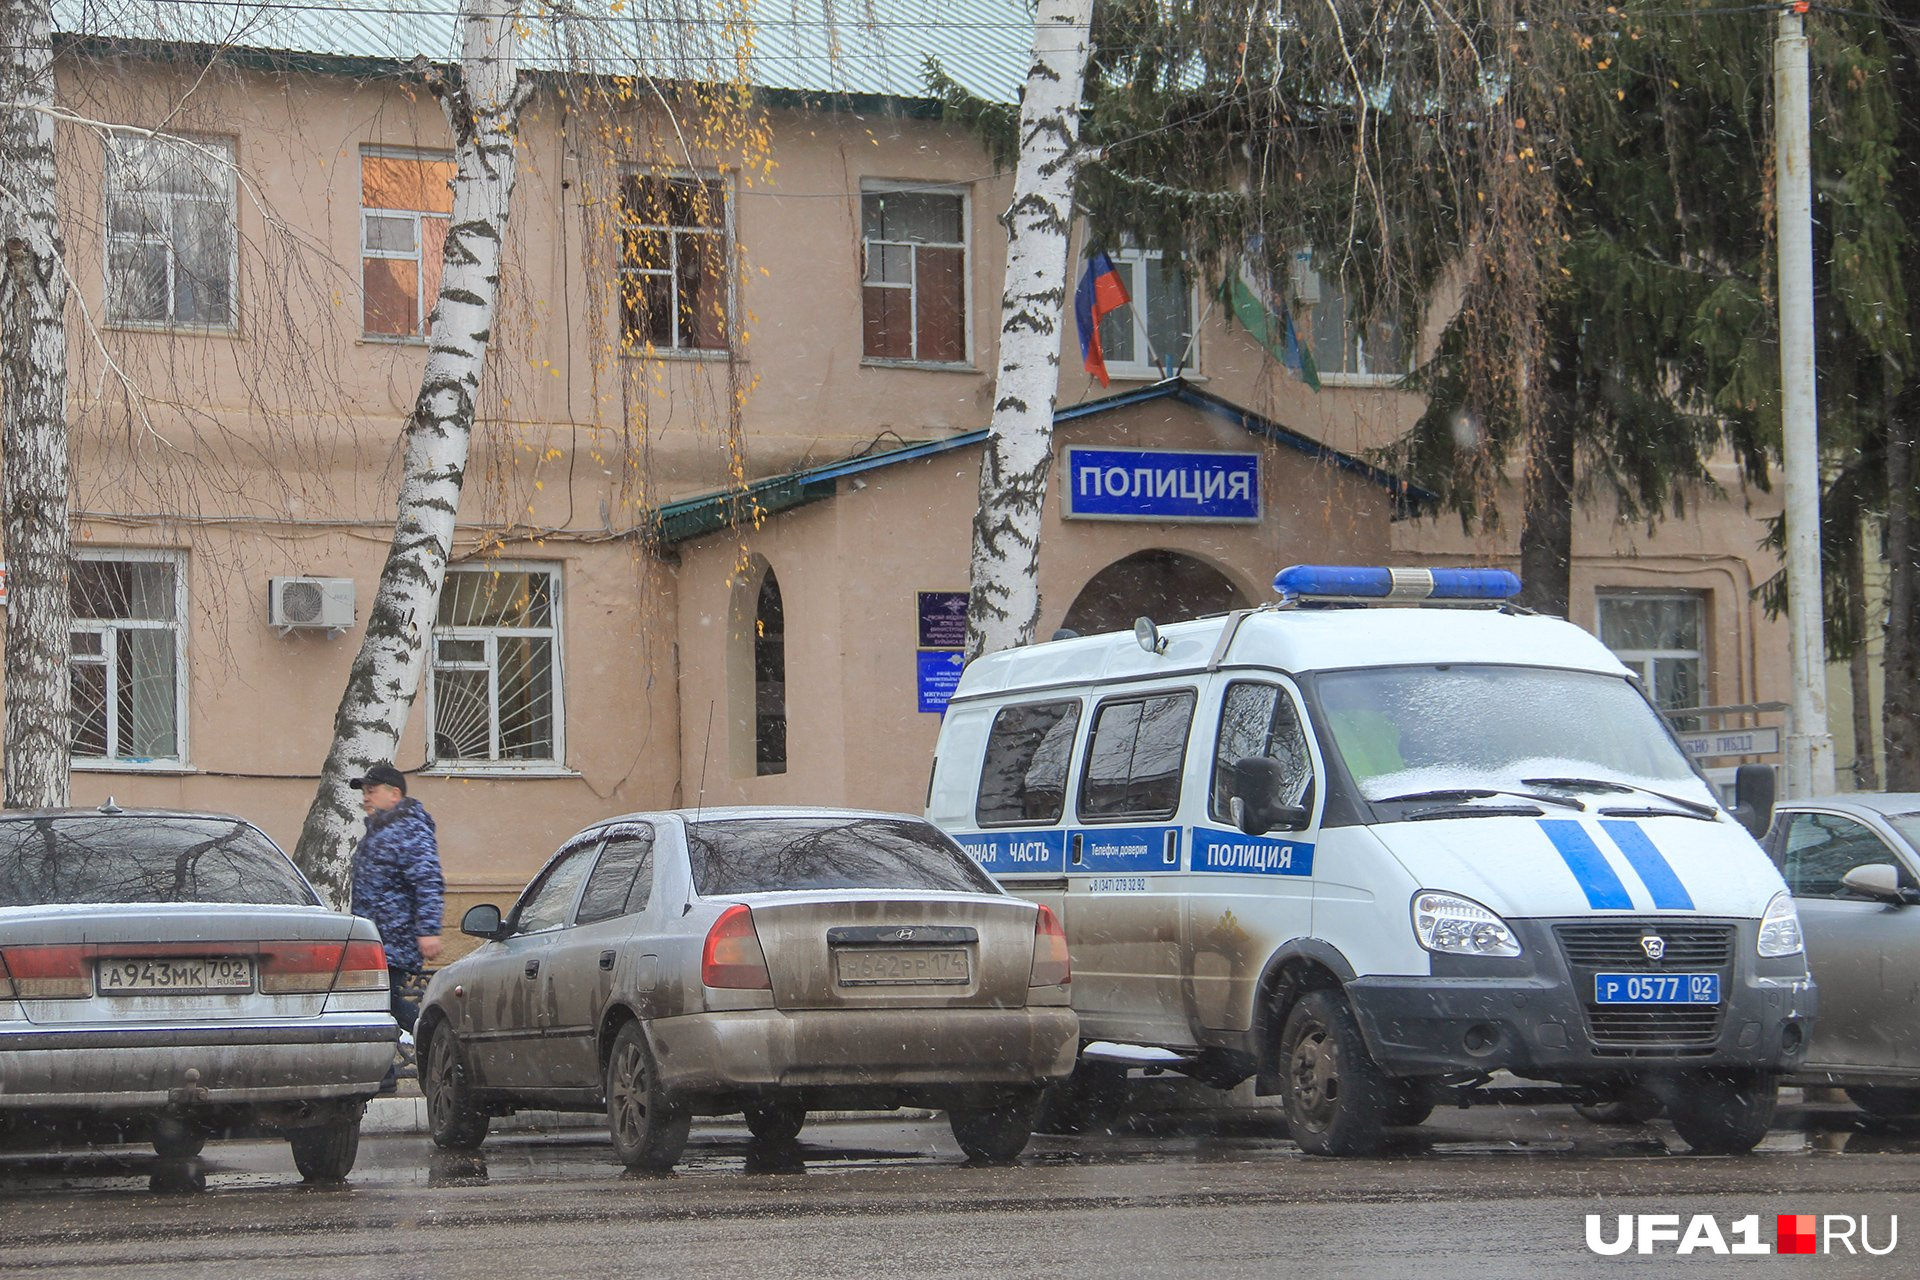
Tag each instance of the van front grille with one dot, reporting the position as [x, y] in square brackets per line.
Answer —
[1618, 946]
[1615, 946]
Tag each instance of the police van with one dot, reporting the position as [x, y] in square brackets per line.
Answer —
[1369, 853]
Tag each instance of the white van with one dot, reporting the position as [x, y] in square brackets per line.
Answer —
[1370, 856]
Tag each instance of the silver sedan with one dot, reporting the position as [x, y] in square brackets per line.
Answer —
[171, 976]
[763, 961]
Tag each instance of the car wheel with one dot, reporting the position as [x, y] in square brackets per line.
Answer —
[775, 1121]
[1723, 1115]
[1092, 1098]
[1635, 1106]
[455, 1122]
[997, 1132]
[649, 1131]
[1884, 1102]
[178, 1139]
[326, 1152]
[1336, 1096]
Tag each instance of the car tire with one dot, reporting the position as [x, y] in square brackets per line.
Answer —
[775, 1122]
[326, 1152]
[649, 1130]
[454, 1120]
[998, 1131]
[1337, 1098]
[1724, 1114]
[1635, 1106]
[1886, 1102]
[1409, 1103]
[1089, 1100]
[178, 1139]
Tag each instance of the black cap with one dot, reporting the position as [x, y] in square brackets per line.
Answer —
[380, 775]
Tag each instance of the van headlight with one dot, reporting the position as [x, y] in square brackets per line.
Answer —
[1780, 928]
[1460, 926]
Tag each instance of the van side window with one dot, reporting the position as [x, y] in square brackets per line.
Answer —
[1024, 778]
[1260, 720]
[1135, 756]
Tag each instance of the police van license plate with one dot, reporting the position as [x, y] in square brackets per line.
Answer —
[1656, 988]
[179, 974]
[915, 966]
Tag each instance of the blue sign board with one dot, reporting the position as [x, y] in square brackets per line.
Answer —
[939, 675]
[943, 619]
[1107, 849]
[1160, 484]
[1250, 855]
[1016, 853]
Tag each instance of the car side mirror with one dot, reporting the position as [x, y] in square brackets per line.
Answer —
[482, 921]
[1254, 795]
[1753, 789]
[1879, 881]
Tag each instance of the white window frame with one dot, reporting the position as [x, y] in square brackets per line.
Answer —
[645, 346]
[109, 192]
[1303, 277]
[108, 629]
[1137, 312]
[874, 187]
[490, 663]
[423, 305]
[1642, 661]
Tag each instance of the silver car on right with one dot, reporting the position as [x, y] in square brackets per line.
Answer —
[1852, 862]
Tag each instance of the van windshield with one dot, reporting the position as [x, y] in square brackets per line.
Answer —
[1403, 730]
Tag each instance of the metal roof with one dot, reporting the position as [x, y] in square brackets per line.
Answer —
[868, 47]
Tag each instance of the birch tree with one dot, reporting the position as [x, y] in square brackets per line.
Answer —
[33, 357]
[482, 104]
[1003, 606]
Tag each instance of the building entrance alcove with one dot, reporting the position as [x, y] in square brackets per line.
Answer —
[1167, 586]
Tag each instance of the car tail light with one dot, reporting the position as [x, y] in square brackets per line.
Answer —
[1052, 967]
[300, 968]
[732, 956]
[48, 973]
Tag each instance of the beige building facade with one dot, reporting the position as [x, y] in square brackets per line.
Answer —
[726, 458]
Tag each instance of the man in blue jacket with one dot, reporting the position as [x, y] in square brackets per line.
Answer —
[397, 882]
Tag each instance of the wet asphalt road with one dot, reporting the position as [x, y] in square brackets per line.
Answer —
[1488, 1193]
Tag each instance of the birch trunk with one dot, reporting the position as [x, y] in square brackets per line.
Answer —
[482, 107]
[1003, 607]
[33, 365]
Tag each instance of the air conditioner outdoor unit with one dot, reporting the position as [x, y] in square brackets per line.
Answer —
[325, 603]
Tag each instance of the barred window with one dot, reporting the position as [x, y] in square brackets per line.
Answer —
[495, 675]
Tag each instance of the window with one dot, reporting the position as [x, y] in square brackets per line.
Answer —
[1024, 778]
[140, 858]
[1134, 757]
[170, 231]
[769, 680]
[544, 905]
[1151, 335]
[1344, 343]
[773, 855]
[127, 677]
[1823, 847]
[673, 263]
[914, 286]
[1260, 720]
[406, 203]
[622, 881]
[1659, 637]
[495, 674]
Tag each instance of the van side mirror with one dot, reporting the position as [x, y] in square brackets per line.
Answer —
[1753, 786]
[482, 921]
[1879, 881]
[1255, 795]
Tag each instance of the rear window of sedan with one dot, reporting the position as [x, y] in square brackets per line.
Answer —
[116, 859]
[765, 855]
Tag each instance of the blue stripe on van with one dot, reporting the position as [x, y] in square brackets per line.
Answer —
[1668, 893]
[1589, 866]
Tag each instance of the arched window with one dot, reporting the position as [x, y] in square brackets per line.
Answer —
[769, 680]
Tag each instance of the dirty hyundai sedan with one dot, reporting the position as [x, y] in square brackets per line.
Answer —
[170, 976]
[762, 961]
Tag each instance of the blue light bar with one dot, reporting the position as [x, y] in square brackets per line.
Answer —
[1367, 582]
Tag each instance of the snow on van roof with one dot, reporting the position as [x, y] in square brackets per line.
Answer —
[1301, 640]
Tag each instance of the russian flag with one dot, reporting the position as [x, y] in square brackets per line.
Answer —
[1100, 292]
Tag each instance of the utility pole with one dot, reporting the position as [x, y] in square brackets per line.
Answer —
[1810, 769]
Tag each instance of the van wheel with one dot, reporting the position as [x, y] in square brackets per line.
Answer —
[1337, 1098]
[997, 1132]
[1885, 1102]
[1724, 1114]
[326, 1152]
[775, 1122]
[1090, 1099]
[454, 1120]
[1635, 1106]
[649, 1130]
[1408, 1103]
